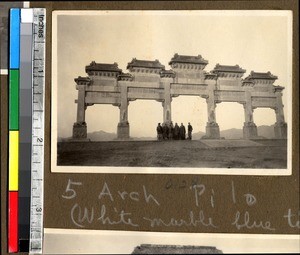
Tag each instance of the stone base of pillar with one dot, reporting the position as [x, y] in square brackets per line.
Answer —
[250, 130]
[123, 130]
[79, 131]
[212, 131]
[280, 130]
[168, 122]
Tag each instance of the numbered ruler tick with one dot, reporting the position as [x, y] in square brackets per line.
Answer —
[37, 155]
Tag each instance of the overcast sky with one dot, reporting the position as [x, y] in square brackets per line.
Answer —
[256, 42]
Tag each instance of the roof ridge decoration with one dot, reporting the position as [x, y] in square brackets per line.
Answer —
[228, 68]
[139, 63]
[186, 59]
[102, 67]
[261, 75]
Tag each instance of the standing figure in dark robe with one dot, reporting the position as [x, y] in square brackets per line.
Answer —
[159, 131]
[182, 132]
[165, 131]
[171, 131]
[190, 129]
[176, 132]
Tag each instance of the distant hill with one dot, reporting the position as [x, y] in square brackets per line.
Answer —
[233, 133]
[198, 135]
[101, 136]
[105, 136]
[266, 131]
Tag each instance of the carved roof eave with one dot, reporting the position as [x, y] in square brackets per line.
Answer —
[167, 74]
[278, 88]
[248, 83]
[211, 76]
[125, 77]
[85, 80]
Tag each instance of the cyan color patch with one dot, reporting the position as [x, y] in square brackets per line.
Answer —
[14, 37]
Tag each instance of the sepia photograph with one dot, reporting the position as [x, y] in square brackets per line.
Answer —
[172, 92]
[138, 242]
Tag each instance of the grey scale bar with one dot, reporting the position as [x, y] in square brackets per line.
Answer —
[25, 132]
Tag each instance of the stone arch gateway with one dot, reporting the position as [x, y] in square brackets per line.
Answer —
[107, 84]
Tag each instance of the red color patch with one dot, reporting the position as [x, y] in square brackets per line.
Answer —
[13, 221]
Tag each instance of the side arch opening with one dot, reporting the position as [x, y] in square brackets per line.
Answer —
[102, 121]
[265, 118]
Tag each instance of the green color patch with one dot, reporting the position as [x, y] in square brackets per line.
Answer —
[13, 99]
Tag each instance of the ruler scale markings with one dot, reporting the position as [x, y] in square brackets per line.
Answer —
[37, 164]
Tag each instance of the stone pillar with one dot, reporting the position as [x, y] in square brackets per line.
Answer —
[167, 118]
[123, 125]
[167, 77]
[249, 129]
[80, 127]
[280, 127]
[212, 127]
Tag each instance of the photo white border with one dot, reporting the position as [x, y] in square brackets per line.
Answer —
[171, 170]
[79, 241]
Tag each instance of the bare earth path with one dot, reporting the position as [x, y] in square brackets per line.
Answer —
[200, 153]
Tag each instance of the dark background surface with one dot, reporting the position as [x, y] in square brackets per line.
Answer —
[275, 194]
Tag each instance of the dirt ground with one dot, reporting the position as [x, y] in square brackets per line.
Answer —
[260, 154]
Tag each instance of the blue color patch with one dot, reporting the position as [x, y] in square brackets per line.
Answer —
[14, 36]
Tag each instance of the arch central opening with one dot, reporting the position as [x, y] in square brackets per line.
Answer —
[191, 109]
[143, 116]
[230, 117]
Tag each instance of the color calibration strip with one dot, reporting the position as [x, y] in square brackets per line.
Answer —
[13, 163]
[20, 128]
[26, 129]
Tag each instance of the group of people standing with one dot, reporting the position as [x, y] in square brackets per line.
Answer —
[171, 132]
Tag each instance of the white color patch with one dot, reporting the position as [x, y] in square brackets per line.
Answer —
[27, 15]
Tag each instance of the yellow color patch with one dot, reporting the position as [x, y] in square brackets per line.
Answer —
[13, 167]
